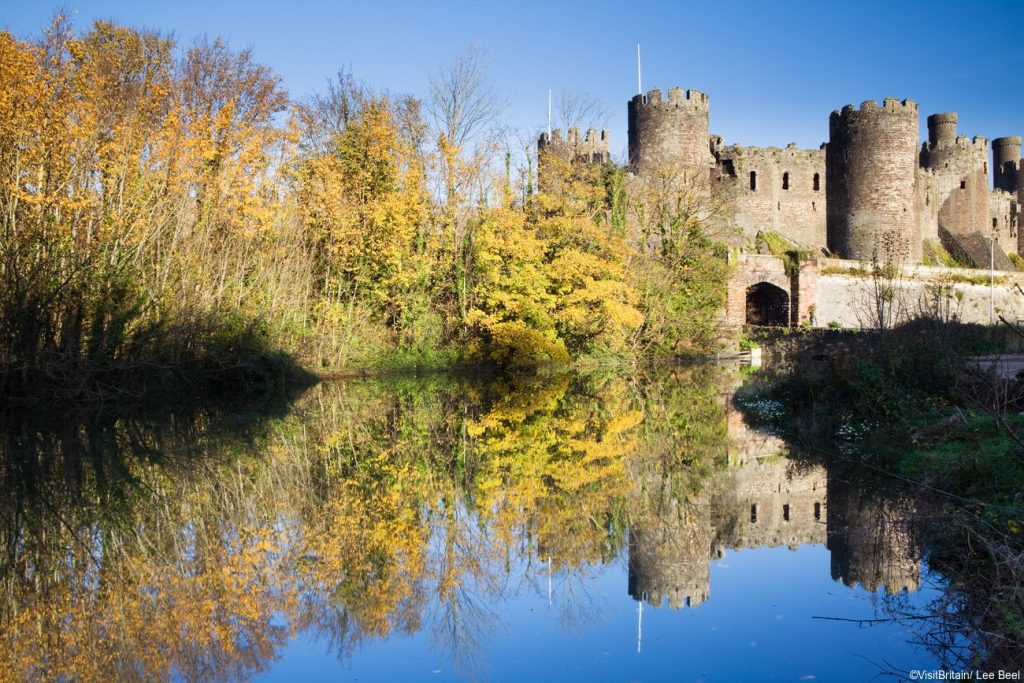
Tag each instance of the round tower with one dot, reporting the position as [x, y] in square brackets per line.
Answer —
[1020, 189]
[942, 129]
[871, 162]
[959, 190]
[670, 134]
[1005, 162]
[670, 558]
[872, 537]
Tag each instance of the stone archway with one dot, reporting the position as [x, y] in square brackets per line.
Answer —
[767, 304]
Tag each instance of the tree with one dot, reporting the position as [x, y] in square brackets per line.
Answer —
[680, 233]
[578, 109]
[462, 106]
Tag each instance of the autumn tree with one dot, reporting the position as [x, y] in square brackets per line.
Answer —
[463, 106]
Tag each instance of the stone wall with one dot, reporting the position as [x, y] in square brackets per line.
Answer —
[778, 504]
[782, 190]
[844, 293]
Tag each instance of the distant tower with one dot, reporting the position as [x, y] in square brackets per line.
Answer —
[960, 188]
[670, 134]
[871, 163]
[942, 129]
[1006, 162]
[592, 149]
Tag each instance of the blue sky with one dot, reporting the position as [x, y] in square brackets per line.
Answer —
[773, 70]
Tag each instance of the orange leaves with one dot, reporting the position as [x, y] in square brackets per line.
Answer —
[551, 281]
[363, 198]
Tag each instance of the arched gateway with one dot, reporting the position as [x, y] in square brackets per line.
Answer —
[767, 304]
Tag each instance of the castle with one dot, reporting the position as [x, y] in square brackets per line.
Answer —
[869, 177]
[870, 192]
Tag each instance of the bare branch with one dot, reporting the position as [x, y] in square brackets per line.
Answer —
[460, 102]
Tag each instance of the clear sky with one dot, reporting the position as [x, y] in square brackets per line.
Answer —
[773, 70]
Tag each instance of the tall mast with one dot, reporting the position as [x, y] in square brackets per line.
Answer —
[639, 83]
[549, 113]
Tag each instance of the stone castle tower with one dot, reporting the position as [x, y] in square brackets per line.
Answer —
[871, 162]
[669, 557]
[960, 168]
[591, 149]
[1006, 162]
[871, 539]
[870, 180]
[670, 134]
[954, 199]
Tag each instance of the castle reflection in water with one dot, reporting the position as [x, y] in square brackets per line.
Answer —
[765, 499]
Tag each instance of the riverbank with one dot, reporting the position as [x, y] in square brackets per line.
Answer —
[912, 404]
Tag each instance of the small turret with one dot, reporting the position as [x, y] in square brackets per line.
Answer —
[942, 129]
[1006, 162]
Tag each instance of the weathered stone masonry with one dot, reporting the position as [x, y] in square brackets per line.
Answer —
[871, 192]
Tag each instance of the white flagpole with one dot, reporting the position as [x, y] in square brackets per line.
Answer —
[639, 83]
[549, 113]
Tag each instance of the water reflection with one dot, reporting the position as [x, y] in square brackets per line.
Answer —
[764, 499]
[196, 545]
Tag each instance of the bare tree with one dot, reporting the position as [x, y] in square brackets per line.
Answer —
[463, 107]
[579, 109]
[885, 305]
[461, 103]
[325, 115]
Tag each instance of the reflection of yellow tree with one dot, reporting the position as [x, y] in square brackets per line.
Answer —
[105, 586]
[555, 464]
[379, 508]
[366, 551]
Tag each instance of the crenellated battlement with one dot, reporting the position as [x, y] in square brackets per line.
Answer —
[883, 178]
[976, 143]
[593, 137]
[790, 151]
[594, 147]
[677, 97]
[890, 105]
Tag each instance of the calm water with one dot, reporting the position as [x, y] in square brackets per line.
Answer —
[571, 528]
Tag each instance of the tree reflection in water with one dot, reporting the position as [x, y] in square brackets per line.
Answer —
[196, 544]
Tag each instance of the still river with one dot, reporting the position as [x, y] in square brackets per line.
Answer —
[577, 527]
